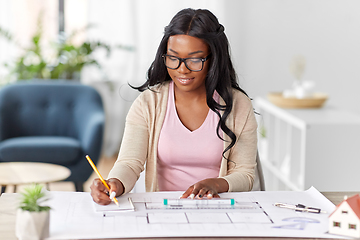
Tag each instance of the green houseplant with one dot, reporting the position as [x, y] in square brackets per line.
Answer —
[65, 61]
[32, 217]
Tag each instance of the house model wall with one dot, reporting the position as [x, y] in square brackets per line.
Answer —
[345, 220]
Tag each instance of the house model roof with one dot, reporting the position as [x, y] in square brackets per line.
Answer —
[354, 203]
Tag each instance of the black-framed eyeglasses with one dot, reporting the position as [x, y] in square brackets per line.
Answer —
[193, 64]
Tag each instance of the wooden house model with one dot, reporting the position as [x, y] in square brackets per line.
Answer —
[345, 220]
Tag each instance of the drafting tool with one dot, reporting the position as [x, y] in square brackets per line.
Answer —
[186, 201]
[199, 203]
[299, 208]
[131, 203]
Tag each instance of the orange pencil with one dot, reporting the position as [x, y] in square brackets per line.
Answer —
[101, 178]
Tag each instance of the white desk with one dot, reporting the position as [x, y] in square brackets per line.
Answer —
[62, 223]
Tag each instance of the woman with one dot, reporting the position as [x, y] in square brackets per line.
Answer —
[192, 125]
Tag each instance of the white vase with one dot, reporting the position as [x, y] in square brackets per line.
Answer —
[32, 225]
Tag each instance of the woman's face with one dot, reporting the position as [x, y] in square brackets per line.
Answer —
[185, 46]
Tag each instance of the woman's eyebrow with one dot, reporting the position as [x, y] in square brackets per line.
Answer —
[170, 50]
[192, 53]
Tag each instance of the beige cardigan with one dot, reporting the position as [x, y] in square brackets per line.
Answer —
[141, 135]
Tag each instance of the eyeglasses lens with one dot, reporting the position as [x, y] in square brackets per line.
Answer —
[193, 64]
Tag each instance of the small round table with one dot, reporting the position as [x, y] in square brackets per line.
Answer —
[16, 173]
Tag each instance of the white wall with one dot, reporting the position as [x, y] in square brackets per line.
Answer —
[265, 35]
[137, 23]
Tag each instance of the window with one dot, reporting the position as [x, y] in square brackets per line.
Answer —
[344, 212]
[336, 224]
[352, 226]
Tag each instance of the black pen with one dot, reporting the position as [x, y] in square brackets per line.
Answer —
[299, 208]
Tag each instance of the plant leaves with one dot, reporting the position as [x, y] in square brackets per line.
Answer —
[32, 199]
[69, 58]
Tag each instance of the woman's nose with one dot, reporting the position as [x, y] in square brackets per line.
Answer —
[182, 68]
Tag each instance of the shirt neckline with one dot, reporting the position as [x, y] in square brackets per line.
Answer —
[172, 95]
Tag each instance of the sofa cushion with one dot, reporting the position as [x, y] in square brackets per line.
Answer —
[50, 149]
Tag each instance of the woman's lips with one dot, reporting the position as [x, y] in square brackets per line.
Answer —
[184, 80]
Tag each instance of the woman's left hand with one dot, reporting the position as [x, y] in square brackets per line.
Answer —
[210, 187]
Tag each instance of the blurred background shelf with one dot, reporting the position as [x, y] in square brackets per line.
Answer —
[300, 148]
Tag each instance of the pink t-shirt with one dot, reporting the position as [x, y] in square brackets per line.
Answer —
[186, 157]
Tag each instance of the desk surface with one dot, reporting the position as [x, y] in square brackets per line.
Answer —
[8, 203]
[15, 173]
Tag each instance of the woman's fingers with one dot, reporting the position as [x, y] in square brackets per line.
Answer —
[99, 192]
[115, 186]
[188, 192]
[202, 192]
[211, 194]
[205, 188]
[192, 192]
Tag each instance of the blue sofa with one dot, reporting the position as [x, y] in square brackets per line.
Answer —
[53, 122]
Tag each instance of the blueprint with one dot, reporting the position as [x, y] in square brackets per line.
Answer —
[74, 215]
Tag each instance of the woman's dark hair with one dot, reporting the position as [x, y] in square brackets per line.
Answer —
[221, 74]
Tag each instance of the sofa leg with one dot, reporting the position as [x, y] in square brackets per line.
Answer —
[79, 186]
[3, 189]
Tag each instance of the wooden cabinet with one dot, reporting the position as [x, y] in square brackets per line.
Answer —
[309, 147]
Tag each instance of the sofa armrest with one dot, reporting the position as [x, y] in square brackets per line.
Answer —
[91, 134]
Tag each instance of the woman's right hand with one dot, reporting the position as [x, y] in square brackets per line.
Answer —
[100, 193]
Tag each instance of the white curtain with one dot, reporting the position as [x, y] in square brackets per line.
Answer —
[20, 18]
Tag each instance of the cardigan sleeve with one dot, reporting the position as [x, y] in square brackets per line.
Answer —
[134, 147]
[241, 161]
